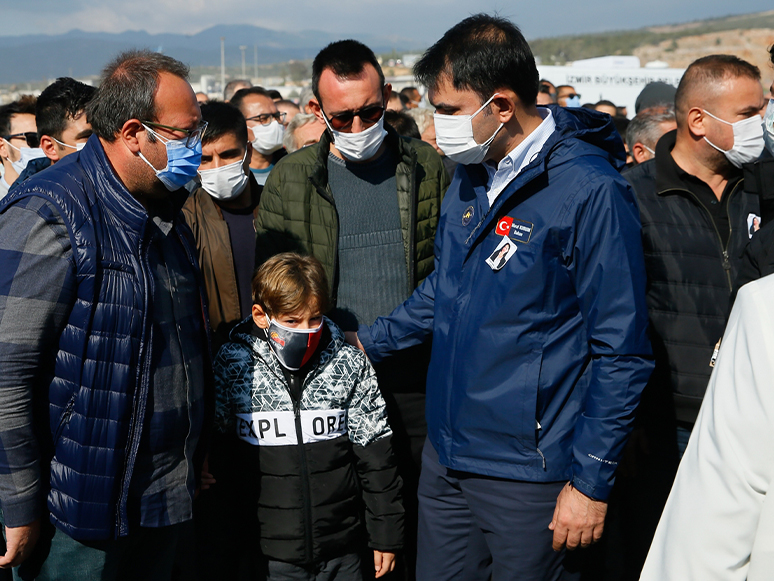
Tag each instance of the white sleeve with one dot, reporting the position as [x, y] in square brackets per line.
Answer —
[709, 526]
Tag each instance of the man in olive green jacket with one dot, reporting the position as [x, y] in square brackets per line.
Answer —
[365, 202]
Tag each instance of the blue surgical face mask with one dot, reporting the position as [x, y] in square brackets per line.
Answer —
[573, 101]
[182, 162]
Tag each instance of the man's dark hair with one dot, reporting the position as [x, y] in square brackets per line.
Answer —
[408, 92]
[274, 94]
[128, 90]
[23, 105]
[346, 59]
[402, 123]
[240, 95]
[482, 54]
[222, 119]
[63, 99]
[701, 78]
[604, 102]
[771, 53]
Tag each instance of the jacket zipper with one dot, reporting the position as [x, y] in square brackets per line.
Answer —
[135, 428]
[726, 263]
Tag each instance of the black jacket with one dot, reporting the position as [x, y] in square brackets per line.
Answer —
[317, 460]
[690, 273]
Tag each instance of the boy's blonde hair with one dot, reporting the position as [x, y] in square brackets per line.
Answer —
[289, 282]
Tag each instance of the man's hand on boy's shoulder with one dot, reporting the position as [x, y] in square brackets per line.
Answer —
[383, 563]
[352, 338]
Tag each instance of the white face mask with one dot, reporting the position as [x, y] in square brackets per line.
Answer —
[748, 140]
[76, 147]
[225, 182]
[268, 138]
[454, 135]
[26, 154]
[768, 127]
[359, 146]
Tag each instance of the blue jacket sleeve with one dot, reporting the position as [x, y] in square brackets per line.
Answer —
[607, 268]
[409, 324]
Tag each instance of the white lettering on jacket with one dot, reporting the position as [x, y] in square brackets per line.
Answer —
[279, 428]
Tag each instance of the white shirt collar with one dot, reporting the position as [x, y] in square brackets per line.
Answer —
[520, 156]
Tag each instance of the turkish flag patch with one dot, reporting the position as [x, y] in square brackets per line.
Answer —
[504, 226]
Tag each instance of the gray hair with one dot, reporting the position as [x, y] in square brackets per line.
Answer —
[128, 90]
[645, 128]
[422, 116]
[289, 140]
[234, 86]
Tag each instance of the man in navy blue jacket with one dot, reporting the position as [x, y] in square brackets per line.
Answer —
[103, 340]
[538, 358]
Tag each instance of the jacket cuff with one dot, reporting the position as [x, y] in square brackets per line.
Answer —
[594, 492]
[21, 513]
[364, 334]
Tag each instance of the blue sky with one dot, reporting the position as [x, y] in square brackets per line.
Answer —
[420, 20]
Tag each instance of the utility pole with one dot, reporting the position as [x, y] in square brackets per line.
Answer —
[243, 48]
[222, 63]
[255, 62]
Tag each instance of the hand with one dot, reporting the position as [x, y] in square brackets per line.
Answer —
[352, 338]
[383, 563]
[19, 542]
[205, 479]
[578, 519]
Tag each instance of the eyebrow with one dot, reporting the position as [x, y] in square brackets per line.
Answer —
[84, 133]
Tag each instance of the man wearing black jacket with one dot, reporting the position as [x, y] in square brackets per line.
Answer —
[695, 211]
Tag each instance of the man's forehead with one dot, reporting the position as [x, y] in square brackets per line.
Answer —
[223, 143]
[22, 122]
[444, 93]
[258, 104]
[335, 88]
[176, 103]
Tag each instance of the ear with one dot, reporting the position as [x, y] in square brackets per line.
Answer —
[695, 121]
[316, 109]
[249, 156]
[259, 317]
[49, 147]
[505, 103]
[639, 153]
[130, 134]
[386, 92]
[5, 152]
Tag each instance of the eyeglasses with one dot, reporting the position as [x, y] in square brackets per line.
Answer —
[192, 136]
[570, 96]
[370, 114]
[29, 136]
[266, 118]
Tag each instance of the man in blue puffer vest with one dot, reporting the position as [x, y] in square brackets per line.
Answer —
[104, 366]
[540, 350]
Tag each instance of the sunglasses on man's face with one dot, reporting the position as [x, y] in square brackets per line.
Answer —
[30, 137]
[368, 115]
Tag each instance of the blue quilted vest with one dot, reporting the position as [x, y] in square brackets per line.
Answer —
[99, 392]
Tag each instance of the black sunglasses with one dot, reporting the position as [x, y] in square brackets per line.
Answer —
[30, 137]
[370, 114]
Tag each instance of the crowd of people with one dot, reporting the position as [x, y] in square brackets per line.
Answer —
[470, 334]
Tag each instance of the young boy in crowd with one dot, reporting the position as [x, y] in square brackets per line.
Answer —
[305, 413]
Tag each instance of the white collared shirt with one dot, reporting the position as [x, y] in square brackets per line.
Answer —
[520, 157]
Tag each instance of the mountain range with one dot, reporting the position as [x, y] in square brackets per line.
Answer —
[81, 54]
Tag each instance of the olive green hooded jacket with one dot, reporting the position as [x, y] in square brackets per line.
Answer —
[298, 212]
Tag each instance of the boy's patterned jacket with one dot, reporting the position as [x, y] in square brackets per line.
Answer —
[315, 463]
